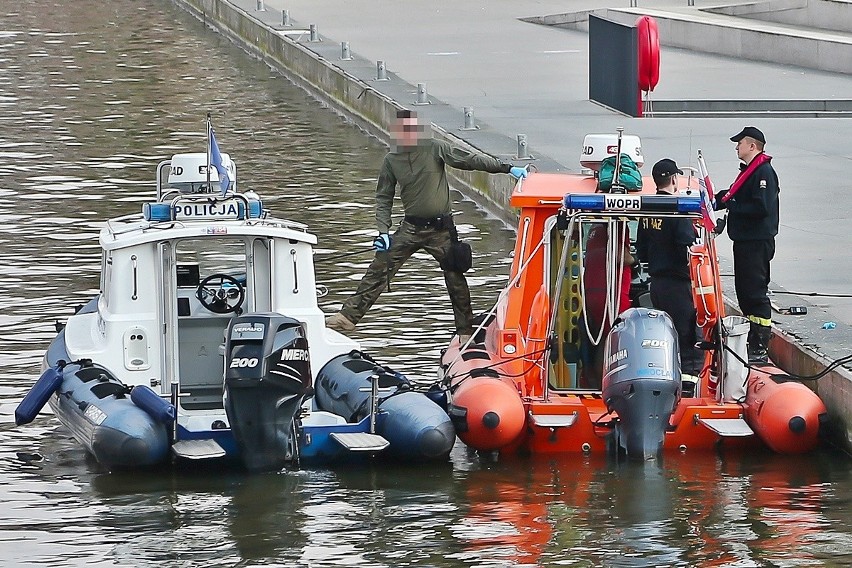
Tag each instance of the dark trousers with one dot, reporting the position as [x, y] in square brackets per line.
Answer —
[751, 277]
[407, 240]
[674, 296]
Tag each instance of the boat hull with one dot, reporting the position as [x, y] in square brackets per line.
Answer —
[786, 415]
[97, 409]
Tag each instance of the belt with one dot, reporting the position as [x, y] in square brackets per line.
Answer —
[439, 222]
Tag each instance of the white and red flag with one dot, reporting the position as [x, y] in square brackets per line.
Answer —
[708, 214]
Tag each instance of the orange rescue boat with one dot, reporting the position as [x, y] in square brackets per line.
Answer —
[572, 358]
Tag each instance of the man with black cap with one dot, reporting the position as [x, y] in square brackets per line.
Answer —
[752, 204]
[663, 244]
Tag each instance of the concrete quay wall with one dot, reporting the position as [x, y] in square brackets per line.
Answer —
[371, 104]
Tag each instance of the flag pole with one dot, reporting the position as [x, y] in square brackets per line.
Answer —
[207, 168]
[707, 193]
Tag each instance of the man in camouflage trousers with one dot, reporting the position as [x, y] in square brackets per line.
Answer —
[416, 163]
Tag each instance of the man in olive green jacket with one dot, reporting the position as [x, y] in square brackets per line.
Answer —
[416, 163]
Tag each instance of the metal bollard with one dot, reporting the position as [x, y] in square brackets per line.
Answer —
[285, 18]
[314, 34]
[345, 54]
[523, 151]
[260, 7]
[469, 122]
[422, 95]
[381, 72]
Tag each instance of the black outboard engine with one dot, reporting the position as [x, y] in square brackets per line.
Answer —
[641, 379]
[267, 377]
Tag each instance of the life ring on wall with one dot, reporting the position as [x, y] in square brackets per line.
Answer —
[703, 287]
[649, 52]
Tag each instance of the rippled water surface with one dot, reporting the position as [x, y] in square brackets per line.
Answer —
[92, 96]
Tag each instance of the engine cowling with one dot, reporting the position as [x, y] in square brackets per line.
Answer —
[267, 378]
[641, 381]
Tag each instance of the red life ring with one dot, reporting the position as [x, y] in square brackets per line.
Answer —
[703, 287]
[536, 359]
[649, 52]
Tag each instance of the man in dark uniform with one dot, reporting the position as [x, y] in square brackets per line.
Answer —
[752, 204]
[663, 244]
[416, 163]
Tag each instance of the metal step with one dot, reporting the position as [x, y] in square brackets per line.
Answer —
[553, 420]
[728, 427]
[360, 441]
[198, 449]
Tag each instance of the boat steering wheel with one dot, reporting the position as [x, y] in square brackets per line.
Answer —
[226, 298]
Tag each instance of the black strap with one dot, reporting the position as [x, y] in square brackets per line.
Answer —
[454, 234]
[438, 223]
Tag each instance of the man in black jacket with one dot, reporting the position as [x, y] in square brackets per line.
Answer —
[663, 243]
[752, 204]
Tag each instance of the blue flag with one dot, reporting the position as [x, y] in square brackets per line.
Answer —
[216, 162]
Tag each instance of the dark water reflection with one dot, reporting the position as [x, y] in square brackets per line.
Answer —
[93, 95]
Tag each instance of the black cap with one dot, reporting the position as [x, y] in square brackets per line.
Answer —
[751, 132]
[664, 169]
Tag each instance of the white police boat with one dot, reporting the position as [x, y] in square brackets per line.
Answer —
[206, 342]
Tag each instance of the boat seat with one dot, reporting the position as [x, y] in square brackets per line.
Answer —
[201, 398]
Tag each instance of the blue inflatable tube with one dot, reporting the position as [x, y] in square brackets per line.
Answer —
[416, 427]
[95, 406]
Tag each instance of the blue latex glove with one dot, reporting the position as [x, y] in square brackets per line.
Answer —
[518, 173]
[382, 242]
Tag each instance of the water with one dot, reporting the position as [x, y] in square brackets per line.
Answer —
[93, 95]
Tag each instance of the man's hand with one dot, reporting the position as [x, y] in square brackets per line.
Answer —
[720, 225]
[382, 242]
[518, 172]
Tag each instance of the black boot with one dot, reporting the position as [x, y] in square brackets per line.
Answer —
[758, 343]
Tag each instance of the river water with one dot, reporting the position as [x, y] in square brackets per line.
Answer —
[93, 95]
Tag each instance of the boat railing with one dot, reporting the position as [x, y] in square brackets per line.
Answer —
[137, 222]
[161, 193]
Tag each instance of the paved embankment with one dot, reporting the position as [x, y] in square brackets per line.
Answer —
[521, 78]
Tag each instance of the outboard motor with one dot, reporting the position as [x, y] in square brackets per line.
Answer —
[267, 377]
[641, 379]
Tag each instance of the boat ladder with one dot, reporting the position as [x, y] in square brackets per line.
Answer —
[198, 449]
[553, 420]
[360, 441]
[727, 427]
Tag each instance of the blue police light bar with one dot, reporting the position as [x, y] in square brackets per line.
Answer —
[626, 203]
[226, 210]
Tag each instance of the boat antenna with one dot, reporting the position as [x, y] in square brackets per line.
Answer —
[209, 128]
[690, 146]
[616, 187]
